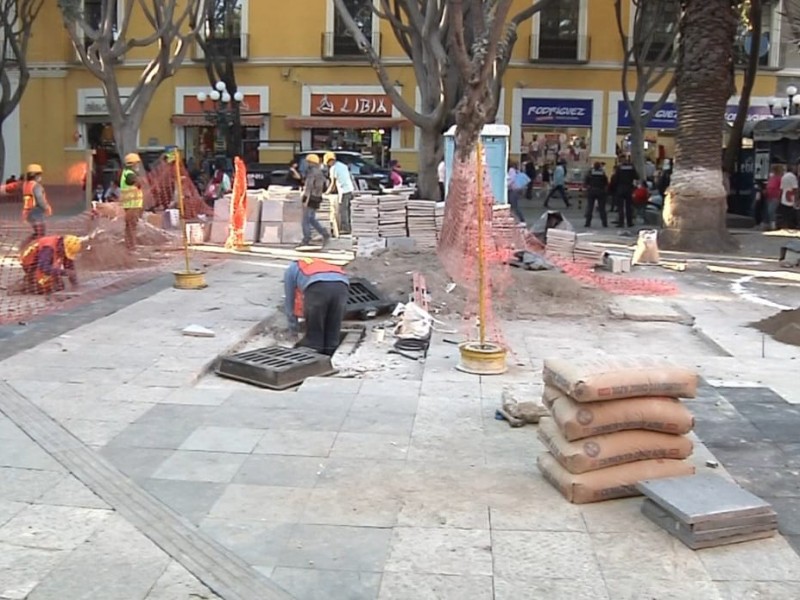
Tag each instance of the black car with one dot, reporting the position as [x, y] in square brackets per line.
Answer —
[360, 167]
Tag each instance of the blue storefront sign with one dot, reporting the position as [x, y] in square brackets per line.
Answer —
[665, 118]
[754, 113]
[558, 112]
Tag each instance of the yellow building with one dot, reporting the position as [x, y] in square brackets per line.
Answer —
[305, 86]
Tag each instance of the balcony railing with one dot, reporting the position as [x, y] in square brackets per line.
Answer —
[238, 46]
[338, 46]
[560, 49]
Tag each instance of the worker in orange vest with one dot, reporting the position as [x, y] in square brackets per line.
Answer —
[35, 206]
[47, 260]
[317, 291]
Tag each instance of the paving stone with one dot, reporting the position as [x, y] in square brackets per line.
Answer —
[163, 435]
[163, 413]
[268, 418]
[337, 548]
[365, 507]
[361, 473]
[318, 584]
[32, 389]
[9, 509]
[761, 560]
[515, 513]
[406, 405]
[461, 450]
[364, 421]
[22, 568]
[94, 433]
[773, 482]
[788, 510]
[52, 527]
[757, 590]
[370, 445]
[93, 409]
[545, 555]
[71, 492]
[779, 430]
[223, 439]
[441, 551]
[191, 499]
[442, 509]
[257, 543]
[280, 471]
[260, 503]
[24, 453]
[732, 431]
[215, 467]
[136, 463]
[118, 562]
[522, 588]
[617, 516]
[195, 397]
[747, 394]
[750, 453]
[636, 588]
[177, 583]
[296, 442]
[395, 388]
[334, 385]
[791, 454]
[264, 399]
[402, 586]
[138, 393]
[24, 485]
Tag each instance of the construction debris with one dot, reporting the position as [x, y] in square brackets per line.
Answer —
[525, 411]
[198, 331]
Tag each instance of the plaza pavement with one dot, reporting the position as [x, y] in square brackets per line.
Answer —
[127, 473]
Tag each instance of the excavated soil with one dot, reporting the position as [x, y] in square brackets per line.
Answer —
[527, 294]
[105, 249]
[783, 326]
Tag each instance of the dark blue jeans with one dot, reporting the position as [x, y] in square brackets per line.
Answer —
[310, 222]
[513, 202]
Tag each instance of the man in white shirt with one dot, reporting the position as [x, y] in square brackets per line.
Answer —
[342, 179]
[786, 213]
[441, 173]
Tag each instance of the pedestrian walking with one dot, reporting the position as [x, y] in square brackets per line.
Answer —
[559, 184]
[312, 200]
[516, 182]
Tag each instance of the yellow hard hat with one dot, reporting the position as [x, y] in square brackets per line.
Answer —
[313, 159]
[72, 246]
[132, 158]
[34, 168]
[329, 156]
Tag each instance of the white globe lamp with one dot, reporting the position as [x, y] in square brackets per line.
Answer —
[238, 96]
[220, 87]
[214, 95]
[226, 97]
[202, 97]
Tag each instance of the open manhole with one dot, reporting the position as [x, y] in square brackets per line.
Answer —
[365, 301]
[275, 367]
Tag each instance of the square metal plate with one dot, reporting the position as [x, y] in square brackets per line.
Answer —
[275, 367]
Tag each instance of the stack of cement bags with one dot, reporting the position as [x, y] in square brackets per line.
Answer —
[614, 422]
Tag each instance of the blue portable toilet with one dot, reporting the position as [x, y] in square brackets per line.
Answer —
[495, 143]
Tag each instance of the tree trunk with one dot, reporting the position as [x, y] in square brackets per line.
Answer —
[696, 202]
[3, 155]
[125, 136]
[235, 131]
[637, 141]
[430, 154]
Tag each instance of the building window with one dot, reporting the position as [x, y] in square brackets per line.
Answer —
[745, 44]
[94, 15]
[661, 22]
[340, 43]
[224, 32]
[559, 31]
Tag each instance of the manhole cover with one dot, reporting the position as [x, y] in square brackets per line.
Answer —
[364, 299]
[275, 367]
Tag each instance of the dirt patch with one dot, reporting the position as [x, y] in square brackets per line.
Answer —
[105, 250]
[527, 294]
[783, 326]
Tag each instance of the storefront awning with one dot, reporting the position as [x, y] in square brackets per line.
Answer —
[773, 130]
[343, 122]
[202, 120]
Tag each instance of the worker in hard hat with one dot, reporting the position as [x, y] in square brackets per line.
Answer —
[35, 206]
[342, 180]
[317, 291]
[132, 196]
[47, 260]
[312, 200]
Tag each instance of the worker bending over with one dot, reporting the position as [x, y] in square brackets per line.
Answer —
[317, 291]
[47, 260]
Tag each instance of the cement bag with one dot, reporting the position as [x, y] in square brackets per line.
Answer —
[610, 483]
[646, 248]
[602, 451]
[655, 413]
[590, 380]
[550, 395]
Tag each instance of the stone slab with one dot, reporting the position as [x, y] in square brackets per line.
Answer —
[633, 308]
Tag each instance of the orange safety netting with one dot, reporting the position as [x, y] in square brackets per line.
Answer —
[585, 272]
[238, 205]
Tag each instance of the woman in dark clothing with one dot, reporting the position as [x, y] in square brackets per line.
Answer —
[293, 178]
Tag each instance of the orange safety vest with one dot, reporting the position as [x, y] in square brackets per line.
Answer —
[29, 200]
[30, 258]
[309, 267]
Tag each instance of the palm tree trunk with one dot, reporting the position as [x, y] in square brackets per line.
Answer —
[696, 202]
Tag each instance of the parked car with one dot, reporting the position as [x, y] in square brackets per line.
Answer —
[360, 167]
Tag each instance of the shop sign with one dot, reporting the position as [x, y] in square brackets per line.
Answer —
[557, 112]
[665, 118]
[754, 113]
[97, 105]
[250, 104]
[348, 105]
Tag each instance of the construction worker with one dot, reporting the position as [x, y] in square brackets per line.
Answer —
[131, 196]
[47, 260]
[317, 291]
[35, 206]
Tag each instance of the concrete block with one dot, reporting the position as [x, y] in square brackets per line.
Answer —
[401, 243]
[222, 209]
[271, 210]
[271, 234]
[292, 233]
[219, 232]
[251, 233]
[253, 207]
[292, 211]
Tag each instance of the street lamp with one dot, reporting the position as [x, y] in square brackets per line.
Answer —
[223, 109]
[791, 94]
[773, 103]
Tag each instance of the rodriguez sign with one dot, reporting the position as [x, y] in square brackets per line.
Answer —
[557, 112]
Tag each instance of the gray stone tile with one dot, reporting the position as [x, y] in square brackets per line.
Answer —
[441, 551]
[402, 586]
[94, 433]
[635, 588]
[168, 435]
[136, 463]
[333, 385]
[277, 418]
[196, 397]
[617, 516]
[296, 442]
[52, 527]
[223, 439]
[651, 555]
[9, 431]
[367, 421]
[545, 555]
[24, 453]
[522, 588]
[260, 503]
[9, 509]
[118, 562]
[791, 454]
[215, 467]
[177, 583]
[191, 499]
[406, 405]
[370, 445]
[361, 472]
[71, 492]
[446, 508]
[761, 560]
[515, 513]
[757, 590]
[280, 471]
[461, 450]
[22, 568]
[317, 584]
[337, 548]
[25, 485]
[138, 393]
[774, 482]
[267, 399]
[371, 507]
[788, 510]
[93, 408]
[749, 453]
[256, 543]
[389, 387]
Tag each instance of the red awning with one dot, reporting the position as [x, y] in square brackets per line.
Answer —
[343, 122]
[202, 120]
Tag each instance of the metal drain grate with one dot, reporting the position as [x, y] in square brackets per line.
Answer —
[275, 367]
[364, 300]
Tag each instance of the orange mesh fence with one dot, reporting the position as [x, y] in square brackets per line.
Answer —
[585, 272]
